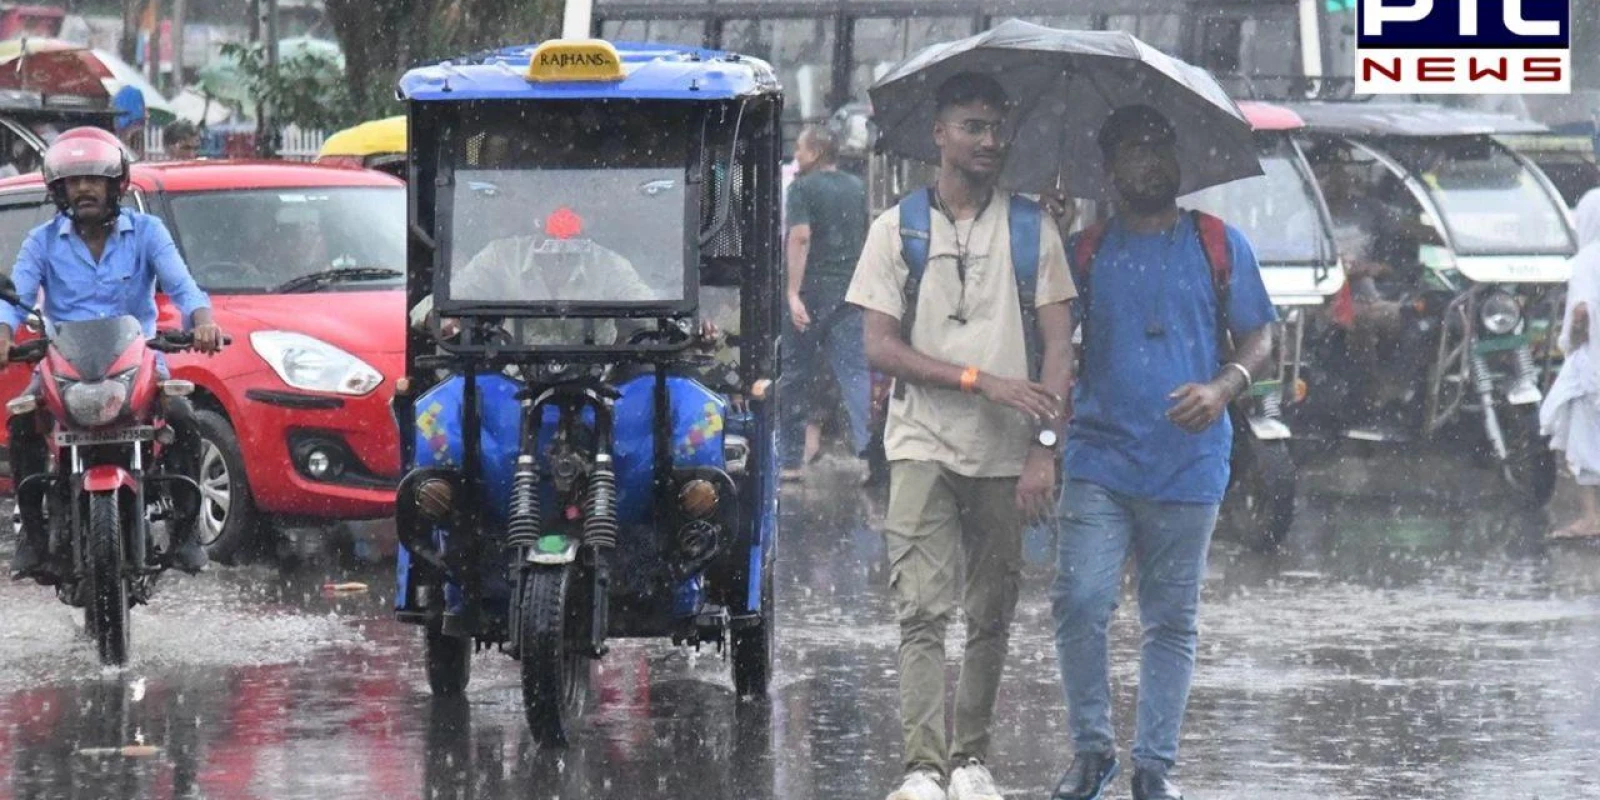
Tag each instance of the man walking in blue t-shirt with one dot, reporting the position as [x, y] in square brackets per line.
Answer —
[1146, 458]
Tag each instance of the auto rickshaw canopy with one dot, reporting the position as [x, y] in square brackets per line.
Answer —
[369, 138]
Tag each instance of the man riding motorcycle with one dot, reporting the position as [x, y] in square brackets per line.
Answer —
[97, 260]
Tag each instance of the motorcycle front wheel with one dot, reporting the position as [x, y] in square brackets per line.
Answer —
[555, 666]
[106, 612]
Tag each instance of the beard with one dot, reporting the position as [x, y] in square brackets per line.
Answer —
[1156, 195]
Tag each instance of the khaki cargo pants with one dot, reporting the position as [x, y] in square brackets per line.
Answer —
[937, 520]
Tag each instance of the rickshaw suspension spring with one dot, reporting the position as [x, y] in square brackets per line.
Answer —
[600, 506]
[522, 524]
[1272, 405]
[1482, 380]
[1527, 371]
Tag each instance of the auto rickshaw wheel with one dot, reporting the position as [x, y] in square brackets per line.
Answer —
[449, 662]
[555, 665]
[1530, 466]
[1265, 492]
[752, 647]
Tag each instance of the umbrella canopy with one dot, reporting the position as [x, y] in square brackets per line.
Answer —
[1063, 85]
[192, 105]
[369, 138]
[52, 66]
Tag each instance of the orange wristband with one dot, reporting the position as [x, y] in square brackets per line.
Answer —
[969, 379]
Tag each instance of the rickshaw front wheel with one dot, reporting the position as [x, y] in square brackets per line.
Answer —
[555, 665]
[1530, 466]
[449, 662]
[752, 647]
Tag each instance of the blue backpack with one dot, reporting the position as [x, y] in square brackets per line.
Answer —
[916, 222]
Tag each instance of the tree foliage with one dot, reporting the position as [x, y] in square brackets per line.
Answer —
[307, 89]
[383, 38]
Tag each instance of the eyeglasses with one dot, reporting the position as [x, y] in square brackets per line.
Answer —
[978, 127]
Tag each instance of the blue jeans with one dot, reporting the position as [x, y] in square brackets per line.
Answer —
[834, 335]
[1099, 527]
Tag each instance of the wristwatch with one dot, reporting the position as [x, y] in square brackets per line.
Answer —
[1047, 438]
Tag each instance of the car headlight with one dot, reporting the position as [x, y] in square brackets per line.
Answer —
[99, 403]
[1500, 313]
[308, 363]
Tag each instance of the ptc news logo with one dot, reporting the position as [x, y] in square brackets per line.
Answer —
[1464, 46]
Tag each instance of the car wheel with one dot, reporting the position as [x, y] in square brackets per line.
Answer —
[228, 519]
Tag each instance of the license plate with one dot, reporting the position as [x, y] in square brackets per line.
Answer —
[141, 433]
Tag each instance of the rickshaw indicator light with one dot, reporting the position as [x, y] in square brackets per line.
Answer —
[567, 60]
[434, 499]
[698, 498]
[760, 388]
[1300, 390]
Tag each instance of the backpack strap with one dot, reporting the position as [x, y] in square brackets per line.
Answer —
[916, 226]
[1213, 234]
[1085, 248]
[1024, 233]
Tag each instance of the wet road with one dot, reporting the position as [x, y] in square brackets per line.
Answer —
[1406, 645]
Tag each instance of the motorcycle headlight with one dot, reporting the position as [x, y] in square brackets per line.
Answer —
[308, 363]
[99, 403]
[1499, 313]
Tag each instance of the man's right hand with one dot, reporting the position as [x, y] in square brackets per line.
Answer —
[798, 312]
[1026, 396]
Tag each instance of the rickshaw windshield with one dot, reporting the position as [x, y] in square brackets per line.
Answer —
[1277, 211]
[576, 204]
[1491, 202]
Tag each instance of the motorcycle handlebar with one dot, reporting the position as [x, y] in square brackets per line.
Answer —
[177, 341]
[32, 352]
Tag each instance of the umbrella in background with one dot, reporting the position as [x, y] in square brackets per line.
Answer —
[124, 75]
[52, 66]
[1063, 85]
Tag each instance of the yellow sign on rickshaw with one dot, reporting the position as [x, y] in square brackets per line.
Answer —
[567, 60]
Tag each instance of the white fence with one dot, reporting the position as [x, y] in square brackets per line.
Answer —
[294, 144]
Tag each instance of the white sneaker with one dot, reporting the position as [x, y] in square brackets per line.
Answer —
[973, 782]
[919, 785]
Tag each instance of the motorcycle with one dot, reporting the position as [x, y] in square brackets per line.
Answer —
[106, 500]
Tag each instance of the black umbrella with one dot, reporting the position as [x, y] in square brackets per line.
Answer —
[1063, 85]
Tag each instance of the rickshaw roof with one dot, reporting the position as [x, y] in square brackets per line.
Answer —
[650, 72]
[387, 135]
[1270, 117]
[1412, 120]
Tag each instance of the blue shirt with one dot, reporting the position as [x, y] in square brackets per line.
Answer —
[76, 289]
[1151, 328]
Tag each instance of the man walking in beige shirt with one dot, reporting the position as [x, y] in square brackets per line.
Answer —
[972, 439]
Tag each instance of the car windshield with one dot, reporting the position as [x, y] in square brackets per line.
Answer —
[588, 206]
[1277, 211]
[250, 241]
[1492, 203]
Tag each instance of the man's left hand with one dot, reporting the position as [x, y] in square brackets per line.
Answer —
[208, 337]
[1198, 405]
[1036, 489]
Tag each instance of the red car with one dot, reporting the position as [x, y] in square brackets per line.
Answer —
[304, 265]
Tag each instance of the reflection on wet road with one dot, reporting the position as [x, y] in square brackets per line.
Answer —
[1431, 649]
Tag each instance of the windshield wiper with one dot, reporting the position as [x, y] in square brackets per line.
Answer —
[332, 276]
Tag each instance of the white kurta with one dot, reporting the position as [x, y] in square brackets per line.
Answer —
[1570, 415]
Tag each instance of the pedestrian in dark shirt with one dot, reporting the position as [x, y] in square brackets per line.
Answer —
[826, 215]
